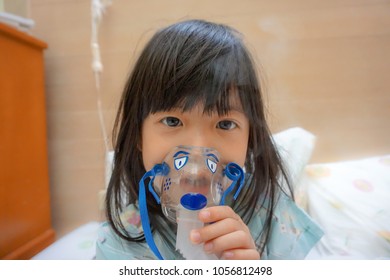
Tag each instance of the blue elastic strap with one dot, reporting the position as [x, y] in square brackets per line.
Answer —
[144, 209]
[235, 173]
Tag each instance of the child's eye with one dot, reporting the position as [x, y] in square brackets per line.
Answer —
[171, 121]
[226, 125]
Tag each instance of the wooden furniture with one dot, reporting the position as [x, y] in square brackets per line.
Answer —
[25, 225]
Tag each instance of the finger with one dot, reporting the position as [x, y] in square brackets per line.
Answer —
[214, 230]
[217, 213]
[234, 240]
[241, 254]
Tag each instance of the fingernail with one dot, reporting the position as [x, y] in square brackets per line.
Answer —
[195, 236]
[227, 255]
[204, 214]
[208, 247]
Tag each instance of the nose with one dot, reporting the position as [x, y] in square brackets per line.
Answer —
[200, 138]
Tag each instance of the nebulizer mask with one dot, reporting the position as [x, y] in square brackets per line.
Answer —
[188, 180]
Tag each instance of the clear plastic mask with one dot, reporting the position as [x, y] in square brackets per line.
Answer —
[189, 171]
[189, 179]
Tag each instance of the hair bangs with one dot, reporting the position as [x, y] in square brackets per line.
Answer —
[211, 83]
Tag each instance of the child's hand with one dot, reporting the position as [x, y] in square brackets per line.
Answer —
[228, 237]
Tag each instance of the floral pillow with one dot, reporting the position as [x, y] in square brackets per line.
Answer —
[351, 201]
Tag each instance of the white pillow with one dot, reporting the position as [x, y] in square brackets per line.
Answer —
[351, 202]
[295, 146]
[109, 166]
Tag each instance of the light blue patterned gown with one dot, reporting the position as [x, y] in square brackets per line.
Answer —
[293, 234]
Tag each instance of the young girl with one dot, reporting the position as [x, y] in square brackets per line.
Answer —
[195, 84]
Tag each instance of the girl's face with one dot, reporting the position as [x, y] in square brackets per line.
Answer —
[227, 134]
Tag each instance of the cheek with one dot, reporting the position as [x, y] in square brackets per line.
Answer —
[154, 150]
[151, 154]
[236, 155]
[240, 157]
[236, 151]
[147, 149]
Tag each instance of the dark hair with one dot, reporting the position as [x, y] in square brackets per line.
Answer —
[184, 64]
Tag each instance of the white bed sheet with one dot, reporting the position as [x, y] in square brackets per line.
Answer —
[79, 244]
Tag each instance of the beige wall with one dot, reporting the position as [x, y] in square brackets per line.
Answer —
[327, 65]
[16, 7]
